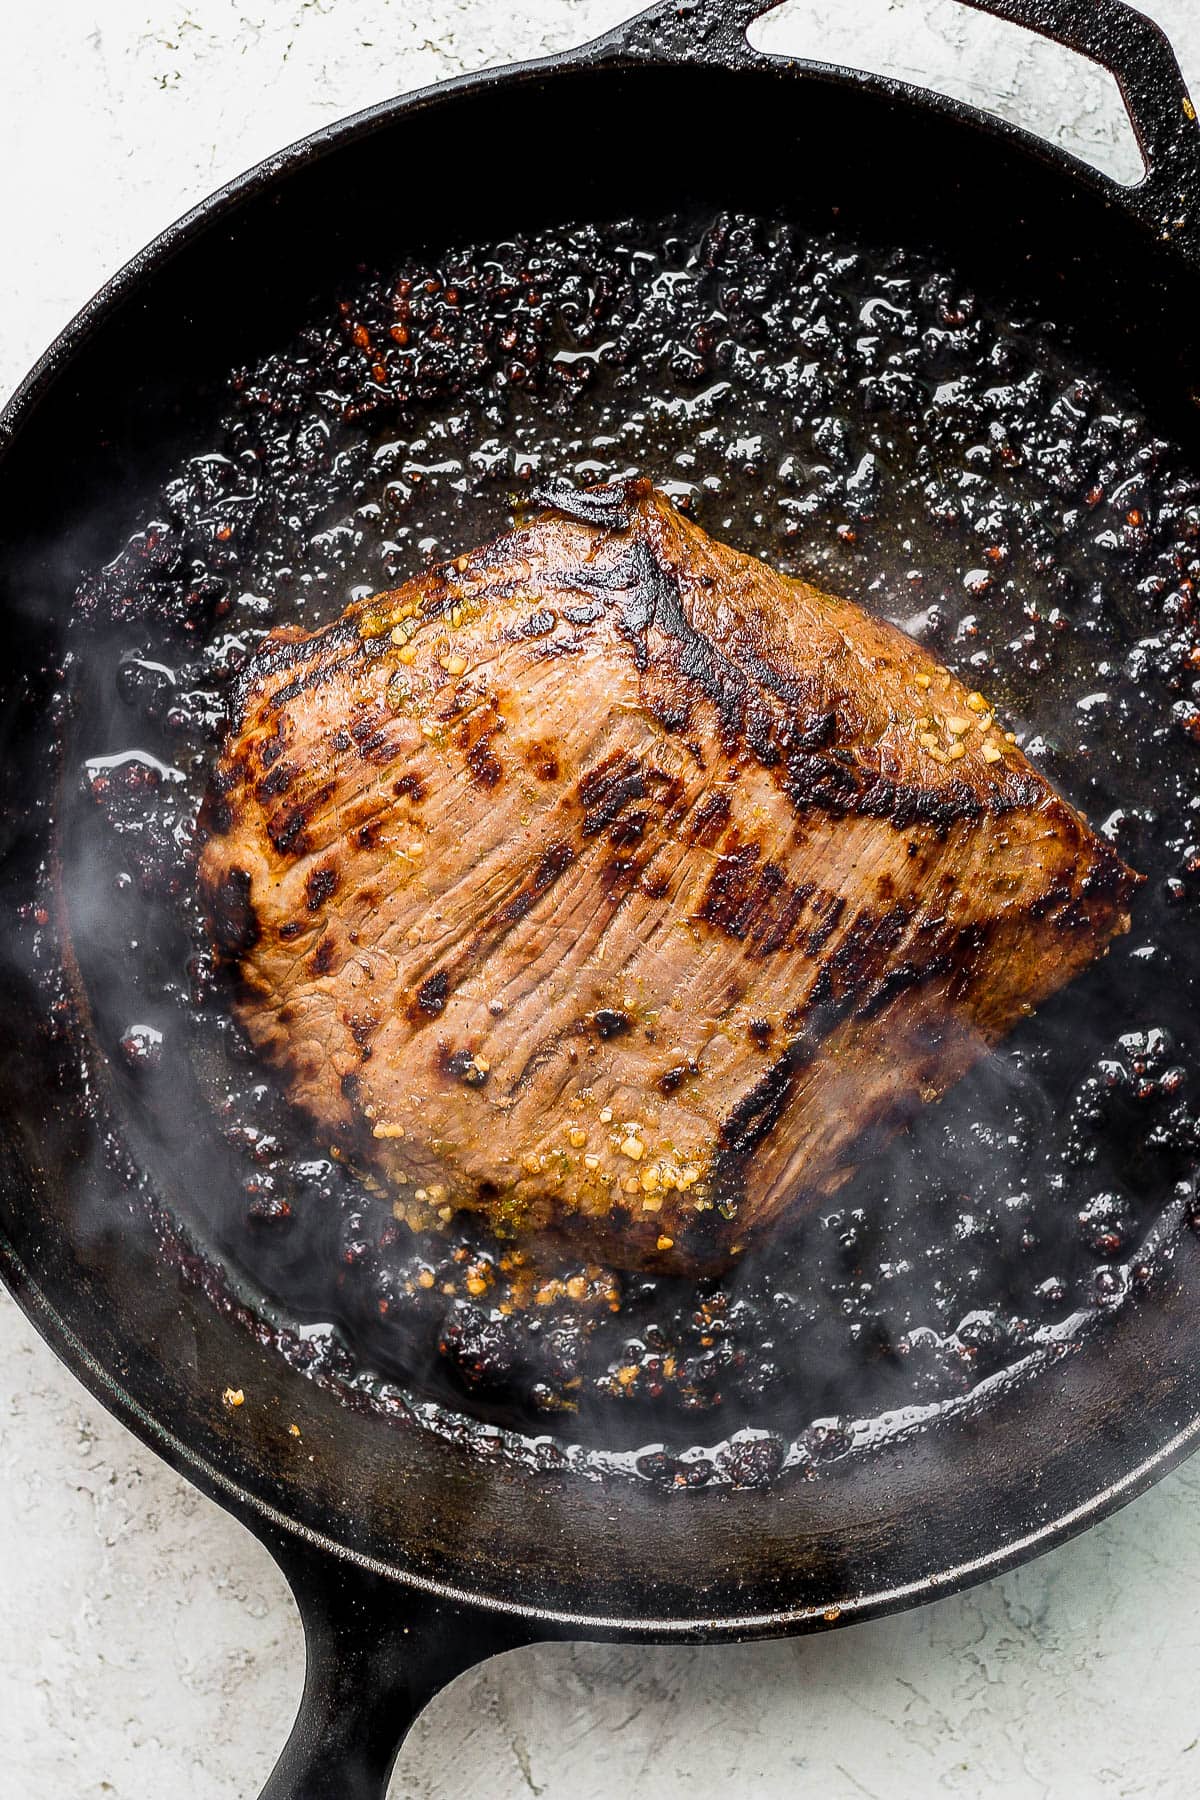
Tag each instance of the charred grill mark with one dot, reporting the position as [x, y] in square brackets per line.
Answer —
[288, 830]
[783, 903]
[1107, 877]
[321, 961]
[538, 624]
[610, 1022]
[672, 709]
[606, 790]
[543, 760]
[277, 782]
[726, 902]
[830, 908]
[319, 887]
[465, 1067]
[839, 989]
[486, 769]
[621, 874]
[824, 782]
[433, 993]
[760, 1033]
[362, 1028]
[1052, 899]
[553, 863]
[409, 787]
[709, 819]
[432, 996]
[953, 953]
[865, 944]
[474, 738]
[897, 981]
[291, 928]
[754, 902]
[608, 509]
[234, 921]
[368, 729]
[672, 1079]
[324, 669]
[272, 748]
[648, 598]
[965, 953]
[628, 831]
[757, 1113]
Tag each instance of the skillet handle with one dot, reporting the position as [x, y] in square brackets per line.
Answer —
[1138, 53]
[1135, 50]
[376, 1653]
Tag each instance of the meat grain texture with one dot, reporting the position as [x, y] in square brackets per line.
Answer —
[610, 883]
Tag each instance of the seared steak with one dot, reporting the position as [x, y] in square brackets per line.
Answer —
[607, 881]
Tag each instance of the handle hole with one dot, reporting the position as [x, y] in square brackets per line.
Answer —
[970, 56]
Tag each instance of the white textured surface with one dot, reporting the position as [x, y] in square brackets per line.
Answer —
[147, 1644]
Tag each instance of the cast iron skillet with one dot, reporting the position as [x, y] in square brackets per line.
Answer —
[410, 1558]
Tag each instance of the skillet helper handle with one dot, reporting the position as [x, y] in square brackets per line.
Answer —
[1135, 50]
[376, 1653]
[1138, 53]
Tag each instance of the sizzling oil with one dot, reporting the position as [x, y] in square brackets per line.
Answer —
[857, 416]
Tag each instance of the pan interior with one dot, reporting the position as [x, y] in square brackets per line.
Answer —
[785, 371]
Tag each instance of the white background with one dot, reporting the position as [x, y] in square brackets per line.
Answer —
[147, 1644]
